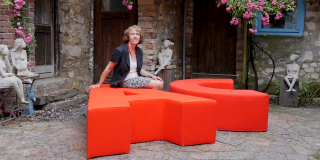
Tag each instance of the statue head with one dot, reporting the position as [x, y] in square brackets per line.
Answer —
[293, 57]
[18, 43]
[4, 50]
[167, 43]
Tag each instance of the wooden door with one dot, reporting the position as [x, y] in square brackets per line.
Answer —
[214, 44]
[44, 34]
[110, 21]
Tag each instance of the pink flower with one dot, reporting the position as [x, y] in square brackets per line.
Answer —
[273, 2]
[292, 3]
[218, 5]
[224, 1]
[18, 24]
[255, 7]
[278, 16]
[20, 28]
[239, 5]
[14, 11]
[281, 5]
[129, 7]
[234, 21]
[29, 63]
[229, 8]
[252, 30]
[124, 2]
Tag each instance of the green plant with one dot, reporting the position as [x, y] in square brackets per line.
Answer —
[288, 53]
[309, 88]
[7, 2]
[278, 84]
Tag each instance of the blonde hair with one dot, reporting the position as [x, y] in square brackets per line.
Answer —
[17, 43]
[127, 31]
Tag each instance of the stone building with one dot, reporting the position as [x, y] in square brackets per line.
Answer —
[76, 38]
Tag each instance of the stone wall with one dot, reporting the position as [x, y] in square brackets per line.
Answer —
[7, 32]
[74, 18]
[280, 48]
[159, 24]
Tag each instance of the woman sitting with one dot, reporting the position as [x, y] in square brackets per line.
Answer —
[127, 61]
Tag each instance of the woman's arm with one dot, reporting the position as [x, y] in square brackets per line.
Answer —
[104, 74]
[147, 74]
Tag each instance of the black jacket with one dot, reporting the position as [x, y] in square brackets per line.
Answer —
[121, 56]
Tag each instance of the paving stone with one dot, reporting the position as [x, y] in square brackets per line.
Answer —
[300, 132]
[301, 150]
[179, 154]
[314, 124]
[267, 153]
[283, 149]
[236, 155]
[295, 156]
[249, 134]
[250, 148]
[30, 151]
[306, 145]
[216, 147]
[277, 130]
[258, 141]
[147, 153]
[288, 137]
[231, 141]
[227, 134]
[185, 148]
[10, 131]
[59, 148]
[313, 130]
[204, 155]
[283, 125]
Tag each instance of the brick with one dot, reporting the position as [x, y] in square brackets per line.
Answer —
[32, 58]
[6, 36]
[5, 24]
[31, 10]
[30, 1]
[145, 2]
[3, 30]
[3, 7]
[148, 52]
[4, 18]
[31, 4]
[145, 19]
[11, 30]
[145, 24]
[148, 30]
[151, 14]
[11, 7]
[149, 46]
[10, 18]
[148, 8]
[150, 36]
[11, 42]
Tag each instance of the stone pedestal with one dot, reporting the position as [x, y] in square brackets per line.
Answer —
[168, 75]
[288, 99]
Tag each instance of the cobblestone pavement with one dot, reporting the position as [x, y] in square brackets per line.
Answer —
[293, 133]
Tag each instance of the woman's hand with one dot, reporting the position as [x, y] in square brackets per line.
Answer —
[95, 86]
[156, 78]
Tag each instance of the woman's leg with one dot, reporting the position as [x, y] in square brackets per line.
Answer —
[292, 84]
[289, 84]
[155, 84]
[16, 86]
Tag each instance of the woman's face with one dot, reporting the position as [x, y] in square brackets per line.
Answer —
[134, 37]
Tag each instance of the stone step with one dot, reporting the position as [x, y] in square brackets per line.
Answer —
[49, 85]
[74, 101]
[55, 96]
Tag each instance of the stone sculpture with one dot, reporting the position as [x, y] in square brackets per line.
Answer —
[292, 71]
[8, 79]
[164, 56]
[19, 59]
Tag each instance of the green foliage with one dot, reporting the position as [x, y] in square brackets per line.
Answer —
[309, 88]
[278, 84]
[7, 2]
[288, 53]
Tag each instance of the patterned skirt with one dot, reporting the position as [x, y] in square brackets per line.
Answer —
[136, 82]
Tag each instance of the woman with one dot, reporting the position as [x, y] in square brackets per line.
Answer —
[126, 60]
[292, 71]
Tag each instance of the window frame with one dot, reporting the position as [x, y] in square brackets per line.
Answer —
[298, 32]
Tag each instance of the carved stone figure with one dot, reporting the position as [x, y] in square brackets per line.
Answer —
[164, 56]
[19, 59]
[292, 71]
[8, 79]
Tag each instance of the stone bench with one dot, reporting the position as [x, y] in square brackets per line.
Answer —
[118, 117]
[238, 110]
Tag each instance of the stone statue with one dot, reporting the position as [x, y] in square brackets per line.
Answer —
[19, 59]
[164, 56]
[8, 79]
[292, 71]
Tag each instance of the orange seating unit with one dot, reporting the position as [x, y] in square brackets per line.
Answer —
[238, 110]
[118, 117]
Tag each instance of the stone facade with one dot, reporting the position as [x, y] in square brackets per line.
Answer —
[161, 20]
[280, 48]
[74, 18]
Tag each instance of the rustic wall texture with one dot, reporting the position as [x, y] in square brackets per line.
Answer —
[280, 48]
[161, 20]
[74, 18]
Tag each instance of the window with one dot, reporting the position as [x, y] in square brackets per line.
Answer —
[291, 24]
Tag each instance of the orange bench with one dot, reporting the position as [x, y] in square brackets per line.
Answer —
[118, 117]
[238, 110]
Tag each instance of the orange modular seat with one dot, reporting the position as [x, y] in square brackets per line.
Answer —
[118, 117]
[238, 110]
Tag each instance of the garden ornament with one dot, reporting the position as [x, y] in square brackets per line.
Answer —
[19, 59]
[8, 79]
[164, 56]
[292, 71]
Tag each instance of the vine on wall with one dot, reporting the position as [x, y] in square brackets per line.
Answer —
[21, 24]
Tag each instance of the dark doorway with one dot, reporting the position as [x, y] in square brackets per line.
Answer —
[214, 44]
[44, 18]
[110, 21]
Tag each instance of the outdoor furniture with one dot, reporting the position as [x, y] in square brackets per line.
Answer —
[12, 107]
[118, 117]
[237, 110]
